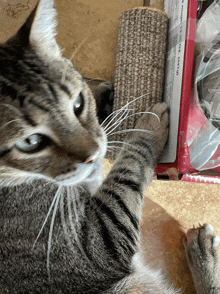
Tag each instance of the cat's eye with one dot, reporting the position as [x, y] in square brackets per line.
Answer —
[33, 143]
[78, 104]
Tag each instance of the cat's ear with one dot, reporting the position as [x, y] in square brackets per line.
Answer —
[39, 31]
[43, 29]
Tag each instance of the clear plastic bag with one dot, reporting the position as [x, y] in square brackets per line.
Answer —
[203, 134]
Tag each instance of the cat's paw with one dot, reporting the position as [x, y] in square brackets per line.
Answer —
[104, 96]
[203, 254]
[157, 123]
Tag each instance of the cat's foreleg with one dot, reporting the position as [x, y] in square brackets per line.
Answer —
[113, 214]
[133, 169]
[203, 253]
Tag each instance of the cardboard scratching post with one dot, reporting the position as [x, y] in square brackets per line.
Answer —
[140, 63]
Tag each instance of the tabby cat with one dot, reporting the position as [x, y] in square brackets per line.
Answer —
[63, 230]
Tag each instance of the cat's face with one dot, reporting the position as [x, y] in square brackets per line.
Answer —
[48, 123]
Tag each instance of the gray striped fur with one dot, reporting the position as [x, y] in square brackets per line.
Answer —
[90, 240]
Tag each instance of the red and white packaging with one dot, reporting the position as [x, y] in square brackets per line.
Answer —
[185, 117]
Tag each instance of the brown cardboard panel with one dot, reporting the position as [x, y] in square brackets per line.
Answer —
[170, 209]
[12, 15]
[162, 237]
[88, 29]
[157, 4]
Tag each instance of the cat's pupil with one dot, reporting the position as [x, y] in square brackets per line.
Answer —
[33, 143]
[78, 104]
[28, 141]
[31, 140]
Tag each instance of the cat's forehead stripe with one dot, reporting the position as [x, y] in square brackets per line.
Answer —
[10, 91]
[65, 89]
[53, 91]
[7, 89]
[62, 87]
[37, 104]
[19, 71]
[29, 120]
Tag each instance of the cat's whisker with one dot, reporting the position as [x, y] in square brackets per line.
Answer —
[6, 124]
[124, 143]
[118, 121]
[141, 112]
[58, 194]
[73, 220]
[71, 199]
[124, 107]
[71, 58]
[130, 130]
[119, 147]
[108, 117]
[11, 107]
[88, 80]
[71, 193]
[78, 48]
[139, 97]
[49, 211]
[76, 193]
[114, 114]
[81, 188]
[12, 177]
[112, 148]
[115, 125]
[109, 150]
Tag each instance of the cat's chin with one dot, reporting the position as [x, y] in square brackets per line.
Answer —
[86, 173]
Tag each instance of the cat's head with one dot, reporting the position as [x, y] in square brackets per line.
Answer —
[48, 123]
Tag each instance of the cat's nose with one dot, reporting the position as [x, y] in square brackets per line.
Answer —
[94, 156]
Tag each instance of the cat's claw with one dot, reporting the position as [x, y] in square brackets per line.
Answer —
[203, 254]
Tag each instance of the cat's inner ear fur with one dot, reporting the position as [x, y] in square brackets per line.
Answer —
[39, 31]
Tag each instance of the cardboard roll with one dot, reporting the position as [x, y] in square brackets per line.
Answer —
[140, 64]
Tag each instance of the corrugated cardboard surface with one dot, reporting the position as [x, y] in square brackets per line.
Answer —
[170, 209]
[89, 29]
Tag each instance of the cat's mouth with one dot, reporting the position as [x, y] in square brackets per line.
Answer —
[85, 172]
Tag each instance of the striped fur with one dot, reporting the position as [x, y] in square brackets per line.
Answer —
[62, 229]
